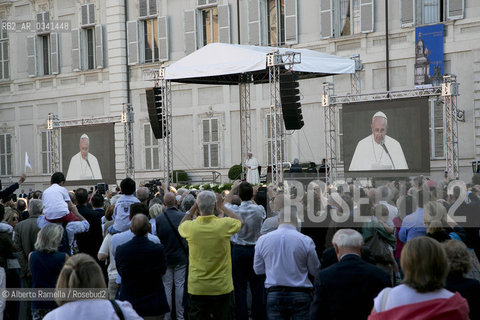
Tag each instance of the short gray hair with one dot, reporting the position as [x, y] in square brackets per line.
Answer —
[188, 202]
[206, 202]
[143, 193]
[35, 207]
[49, 238]
[348, 238]
[155, 210]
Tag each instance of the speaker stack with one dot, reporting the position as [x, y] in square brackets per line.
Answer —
[290, 97]
[155, 107]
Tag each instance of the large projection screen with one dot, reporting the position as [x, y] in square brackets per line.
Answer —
[394, 144]
[88, 154]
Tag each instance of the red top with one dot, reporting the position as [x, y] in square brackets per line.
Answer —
[453, 308]
[397, 222]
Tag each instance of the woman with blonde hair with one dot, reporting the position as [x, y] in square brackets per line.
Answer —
[82, 272]
[154, 211]
[45, 264]
[422, 294]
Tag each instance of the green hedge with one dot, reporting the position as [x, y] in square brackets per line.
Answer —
[235, 172]
[182, 176]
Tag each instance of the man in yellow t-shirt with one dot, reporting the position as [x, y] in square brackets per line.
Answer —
[210, 285]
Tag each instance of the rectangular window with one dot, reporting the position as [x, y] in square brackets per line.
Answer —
[44, 43]
[5, 154]
[90, 48]
[4, 70]
[428, 11]
[45, 153]
[150, 38]
[276, 22]
[210, 138]
[349, 20]
[437, 118]
[152, 157]
[210, 25]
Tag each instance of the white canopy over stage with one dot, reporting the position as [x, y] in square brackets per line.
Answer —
[221, 63]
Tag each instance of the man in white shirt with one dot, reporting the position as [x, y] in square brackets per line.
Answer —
[286, 257]
[84, 165]
[378, 151]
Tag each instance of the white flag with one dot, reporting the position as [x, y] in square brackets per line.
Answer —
[27, 162]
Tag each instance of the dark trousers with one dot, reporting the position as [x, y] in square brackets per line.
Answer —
[221, 307]
[288, 305]
[243, 274]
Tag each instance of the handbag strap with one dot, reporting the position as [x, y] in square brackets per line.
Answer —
[117, 309]
[177, 235]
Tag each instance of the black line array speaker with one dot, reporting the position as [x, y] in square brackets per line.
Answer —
[290, 97]
[155, 106]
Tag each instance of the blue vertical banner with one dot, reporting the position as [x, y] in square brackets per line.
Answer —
[428, 55]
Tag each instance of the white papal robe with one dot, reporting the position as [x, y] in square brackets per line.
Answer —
[252, 171]
[81, 169]
[370, 155]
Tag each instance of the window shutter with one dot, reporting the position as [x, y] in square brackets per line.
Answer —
[142, 8]
[291, 22]
[163, 38]
[99, 57]
[407, 10]
[91, 13]
[455, 9]
[132, 39]
[54, 53]
[326, 18]
[85, 14]
[224, 23]
[76, 52]
[6, 73]
[254, 23]
[152, 7]
[190, 28]
[32, 56]
[367, 16]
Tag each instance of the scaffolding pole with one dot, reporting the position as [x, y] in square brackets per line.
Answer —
[166, 127]
[245, 119]
[53, 142]
[355, 84]
[128, 119]
[331, 135]
[450, 93]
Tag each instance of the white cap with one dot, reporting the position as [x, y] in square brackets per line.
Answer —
[379, 114]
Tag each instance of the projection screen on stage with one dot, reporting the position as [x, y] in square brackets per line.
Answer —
[88, 154]
[394, 143]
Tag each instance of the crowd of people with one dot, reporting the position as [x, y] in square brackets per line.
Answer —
[243, 254]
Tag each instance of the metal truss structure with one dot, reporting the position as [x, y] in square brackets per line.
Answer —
[54, 125]
[449, 94]
[245, 117]
[331, 136]
[355, 84]
[448, 91]
[167, 119]
[158, 77]
[277, 130]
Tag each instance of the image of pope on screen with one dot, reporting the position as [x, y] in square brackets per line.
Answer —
[84, 165]
[378, 151]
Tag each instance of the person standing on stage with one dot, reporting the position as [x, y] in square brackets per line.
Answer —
[251, 164]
